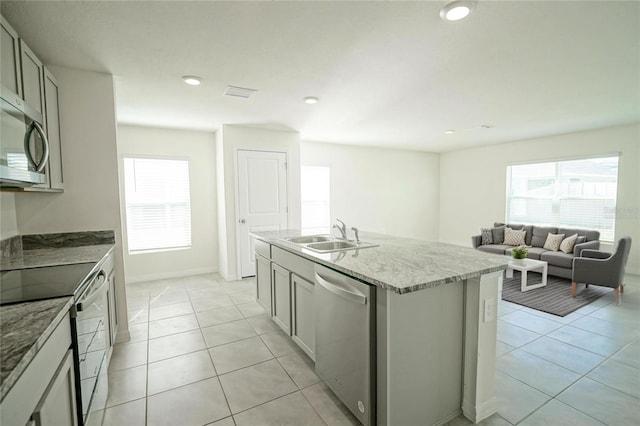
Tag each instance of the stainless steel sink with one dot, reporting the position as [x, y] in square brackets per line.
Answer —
[338, 245]
[324, 243]
[311, 239]
[332, 245]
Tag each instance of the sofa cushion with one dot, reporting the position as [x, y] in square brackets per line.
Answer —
[495, 248]
[553, 242]
[514, 237]
[581, 239]
[540, 235]
[558, 258]
[566, 246]
[535, 252]
[498, 234]
[590, 234]
[487, 236]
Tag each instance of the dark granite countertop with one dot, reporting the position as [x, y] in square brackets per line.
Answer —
[55, 256]
[24, 328]
[401, 265]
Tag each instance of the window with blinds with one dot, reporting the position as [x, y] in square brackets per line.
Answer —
[158, 205]
[572, 194]
[315, 191]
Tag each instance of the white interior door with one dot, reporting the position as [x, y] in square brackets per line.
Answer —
[262, 200]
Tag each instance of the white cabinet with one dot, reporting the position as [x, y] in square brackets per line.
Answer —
[10, 60]
[32, 82]
[52, 125]
[58, 404]
[45, 392]
[281, 297]
[108, 266]
[303, 329]
[28, 84]
[263, 282]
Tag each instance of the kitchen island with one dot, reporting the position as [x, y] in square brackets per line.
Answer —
[435, 325]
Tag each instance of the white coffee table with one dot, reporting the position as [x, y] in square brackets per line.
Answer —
[524, 266]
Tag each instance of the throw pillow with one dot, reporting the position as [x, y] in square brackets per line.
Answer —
[513, 237]
[566, 246]
[498, 234]
[581, 239]
[487, 236]
[553, 242]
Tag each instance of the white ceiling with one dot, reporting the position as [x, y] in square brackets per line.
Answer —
[387, 73]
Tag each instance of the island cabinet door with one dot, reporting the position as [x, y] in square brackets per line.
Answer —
[303, 327]
[281, 289]
[263, 282]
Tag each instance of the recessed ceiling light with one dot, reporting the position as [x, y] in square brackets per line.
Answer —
[448, 132]
[192, 80]
[457, 10]
[311, 100]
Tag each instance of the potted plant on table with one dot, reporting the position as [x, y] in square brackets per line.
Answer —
[519, 252]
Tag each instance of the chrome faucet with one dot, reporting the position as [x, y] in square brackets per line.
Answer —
[355, 231]
[342, 229]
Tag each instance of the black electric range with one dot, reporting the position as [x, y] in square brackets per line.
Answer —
[47, 282]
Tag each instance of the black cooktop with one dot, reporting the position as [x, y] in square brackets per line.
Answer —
[23, 285]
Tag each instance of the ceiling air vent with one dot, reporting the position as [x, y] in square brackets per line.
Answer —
[239, 92]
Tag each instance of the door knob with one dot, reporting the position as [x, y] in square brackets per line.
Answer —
[243, 221]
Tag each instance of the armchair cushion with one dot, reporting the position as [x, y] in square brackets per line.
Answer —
[595, 268]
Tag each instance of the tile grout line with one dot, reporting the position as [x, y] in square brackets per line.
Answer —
[217, 376]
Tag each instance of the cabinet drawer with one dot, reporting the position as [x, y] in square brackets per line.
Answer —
[262, 248]
[294, 263]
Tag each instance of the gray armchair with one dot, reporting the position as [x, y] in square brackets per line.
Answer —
[602, 268]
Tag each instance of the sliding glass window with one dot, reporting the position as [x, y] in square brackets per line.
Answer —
[158, 206]
[574, 194]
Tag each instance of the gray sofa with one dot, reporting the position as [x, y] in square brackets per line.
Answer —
[560, 264]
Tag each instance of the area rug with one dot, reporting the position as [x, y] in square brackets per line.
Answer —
[555, 298]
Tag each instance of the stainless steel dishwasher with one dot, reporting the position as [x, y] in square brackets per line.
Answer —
[346, 340]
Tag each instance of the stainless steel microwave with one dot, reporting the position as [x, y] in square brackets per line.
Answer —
[24, 149]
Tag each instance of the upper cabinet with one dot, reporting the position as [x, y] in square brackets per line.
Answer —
[52, 122]
[25, 77]
[10, 59]
[32, 79]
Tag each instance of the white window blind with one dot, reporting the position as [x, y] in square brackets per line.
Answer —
[315, 191]
[572, 194]
[157, 203]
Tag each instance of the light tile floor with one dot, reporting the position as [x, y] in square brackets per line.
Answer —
[204, 352]
[581, 369]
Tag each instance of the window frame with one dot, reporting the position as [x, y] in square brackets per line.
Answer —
[328, 201]
[555, 198]
[126, 157]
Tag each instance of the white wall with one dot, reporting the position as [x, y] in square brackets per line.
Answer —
[199, 149]
[389, 191]
[91, 198]
[8, 219]
[229, 140]
[473, 181]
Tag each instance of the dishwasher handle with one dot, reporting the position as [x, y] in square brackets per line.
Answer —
[339, 290]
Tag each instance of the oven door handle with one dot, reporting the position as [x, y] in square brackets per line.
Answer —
[89, 299]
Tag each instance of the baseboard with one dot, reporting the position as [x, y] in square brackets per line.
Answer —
[479, 413]
[167, 275]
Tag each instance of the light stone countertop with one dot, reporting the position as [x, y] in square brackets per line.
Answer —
[24, 328]
[402, 265]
